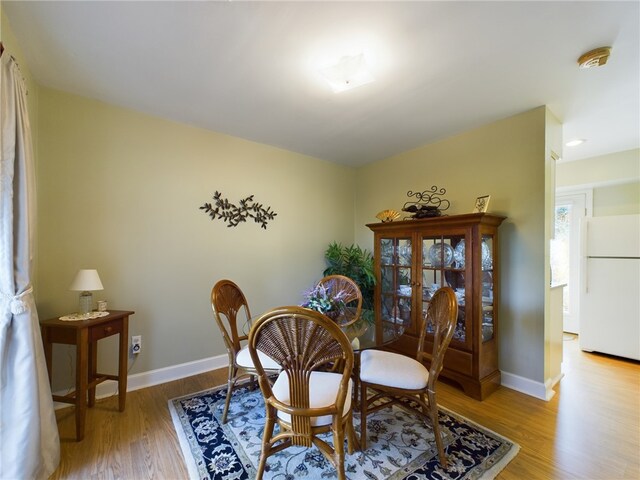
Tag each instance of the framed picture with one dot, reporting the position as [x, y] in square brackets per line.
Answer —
[482, 204]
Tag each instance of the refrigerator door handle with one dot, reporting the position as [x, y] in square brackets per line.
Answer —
[585, 268]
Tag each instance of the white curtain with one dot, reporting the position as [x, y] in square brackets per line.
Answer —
[29, 443]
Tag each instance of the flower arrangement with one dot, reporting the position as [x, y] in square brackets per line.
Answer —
[357, 264]
[323, 299]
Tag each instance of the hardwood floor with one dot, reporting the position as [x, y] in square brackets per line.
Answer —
[589, 430]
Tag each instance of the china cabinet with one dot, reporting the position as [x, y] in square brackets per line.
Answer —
[413, 258]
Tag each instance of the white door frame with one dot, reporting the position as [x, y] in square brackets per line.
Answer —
[582, 202]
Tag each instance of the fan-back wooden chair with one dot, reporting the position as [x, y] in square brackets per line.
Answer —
[304, 400]
[395, 376]
[351, 295]
[227, 303]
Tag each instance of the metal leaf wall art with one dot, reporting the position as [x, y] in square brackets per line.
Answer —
[235, 215]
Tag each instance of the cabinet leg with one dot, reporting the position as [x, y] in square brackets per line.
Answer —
[480, 389]
[48, 352]
[122, 364]
[93, 369]
[81, 381]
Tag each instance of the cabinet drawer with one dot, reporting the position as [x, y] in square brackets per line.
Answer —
[454, 360]
[458, 361]
[104, 330]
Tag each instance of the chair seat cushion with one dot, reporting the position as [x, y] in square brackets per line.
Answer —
[323, 390]
[392, 370]
[243, 359]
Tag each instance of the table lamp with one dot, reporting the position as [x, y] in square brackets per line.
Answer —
[86, 281]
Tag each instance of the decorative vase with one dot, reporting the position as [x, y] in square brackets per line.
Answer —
[333, 314]
[357, 329]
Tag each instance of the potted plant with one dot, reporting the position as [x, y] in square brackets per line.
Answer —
[357, 264]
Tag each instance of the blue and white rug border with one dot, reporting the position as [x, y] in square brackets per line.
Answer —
[187, 454]
[193, 469]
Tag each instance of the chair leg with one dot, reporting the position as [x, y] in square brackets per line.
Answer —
[433, 411]
[351, 434]
[269, 424]
[230, 384]
[338, 446]
[363, 416]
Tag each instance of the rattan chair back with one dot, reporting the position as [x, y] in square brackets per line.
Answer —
[440, 321]
[230, 306]
[302, 341]
[442, 315]
[352, 297]
[227, 301]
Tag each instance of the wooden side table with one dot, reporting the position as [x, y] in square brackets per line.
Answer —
[84, 334]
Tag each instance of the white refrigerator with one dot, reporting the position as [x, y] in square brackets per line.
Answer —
[610, 297]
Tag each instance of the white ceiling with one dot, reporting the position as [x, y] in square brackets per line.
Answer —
[249, 69]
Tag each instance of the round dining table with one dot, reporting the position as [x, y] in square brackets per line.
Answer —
[364, 336]
[374, 335]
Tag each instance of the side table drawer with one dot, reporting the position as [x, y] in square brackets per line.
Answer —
[105, 330]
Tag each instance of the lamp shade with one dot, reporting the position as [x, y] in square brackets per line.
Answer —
[86, 281]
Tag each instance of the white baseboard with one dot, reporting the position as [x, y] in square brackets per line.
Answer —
[156, 377]
[543, 391]
[550, 383]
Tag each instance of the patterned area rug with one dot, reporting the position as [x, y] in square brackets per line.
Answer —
[399, 447]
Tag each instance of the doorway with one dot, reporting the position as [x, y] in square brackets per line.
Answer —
[571, 208]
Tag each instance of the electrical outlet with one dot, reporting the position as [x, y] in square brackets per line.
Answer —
[136, 344]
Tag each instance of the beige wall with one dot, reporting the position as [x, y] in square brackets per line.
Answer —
[615, 179]
[119, 191]
[505, 159]
[618, 167]
[621, 199]
[552, 323]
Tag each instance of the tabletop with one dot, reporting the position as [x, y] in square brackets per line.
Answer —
[90, 322]
[361, 334]
[364, 336]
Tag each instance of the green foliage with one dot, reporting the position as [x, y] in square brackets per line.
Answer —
[357, 264]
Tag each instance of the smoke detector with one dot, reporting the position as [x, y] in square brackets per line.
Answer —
[594, 58]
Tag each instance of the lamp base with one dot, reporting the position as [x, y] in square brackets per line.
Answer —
[86, 302]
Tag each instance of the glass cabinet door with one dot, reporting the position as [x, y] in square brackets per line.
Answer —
[396, 280]
[487, 287]
[443, 263]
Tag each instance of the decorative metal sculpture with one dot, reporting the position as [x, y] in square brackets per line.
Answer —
[427, 204]
[234, 215]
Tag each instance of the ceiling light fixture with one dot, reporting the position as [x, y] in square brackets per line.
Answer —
[348, 73]
[575, 143]
[594, 58]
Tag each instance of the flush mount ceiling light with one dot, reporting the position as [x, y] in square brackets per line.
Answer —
[594, 58]
[575, 143]
[349, 72]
